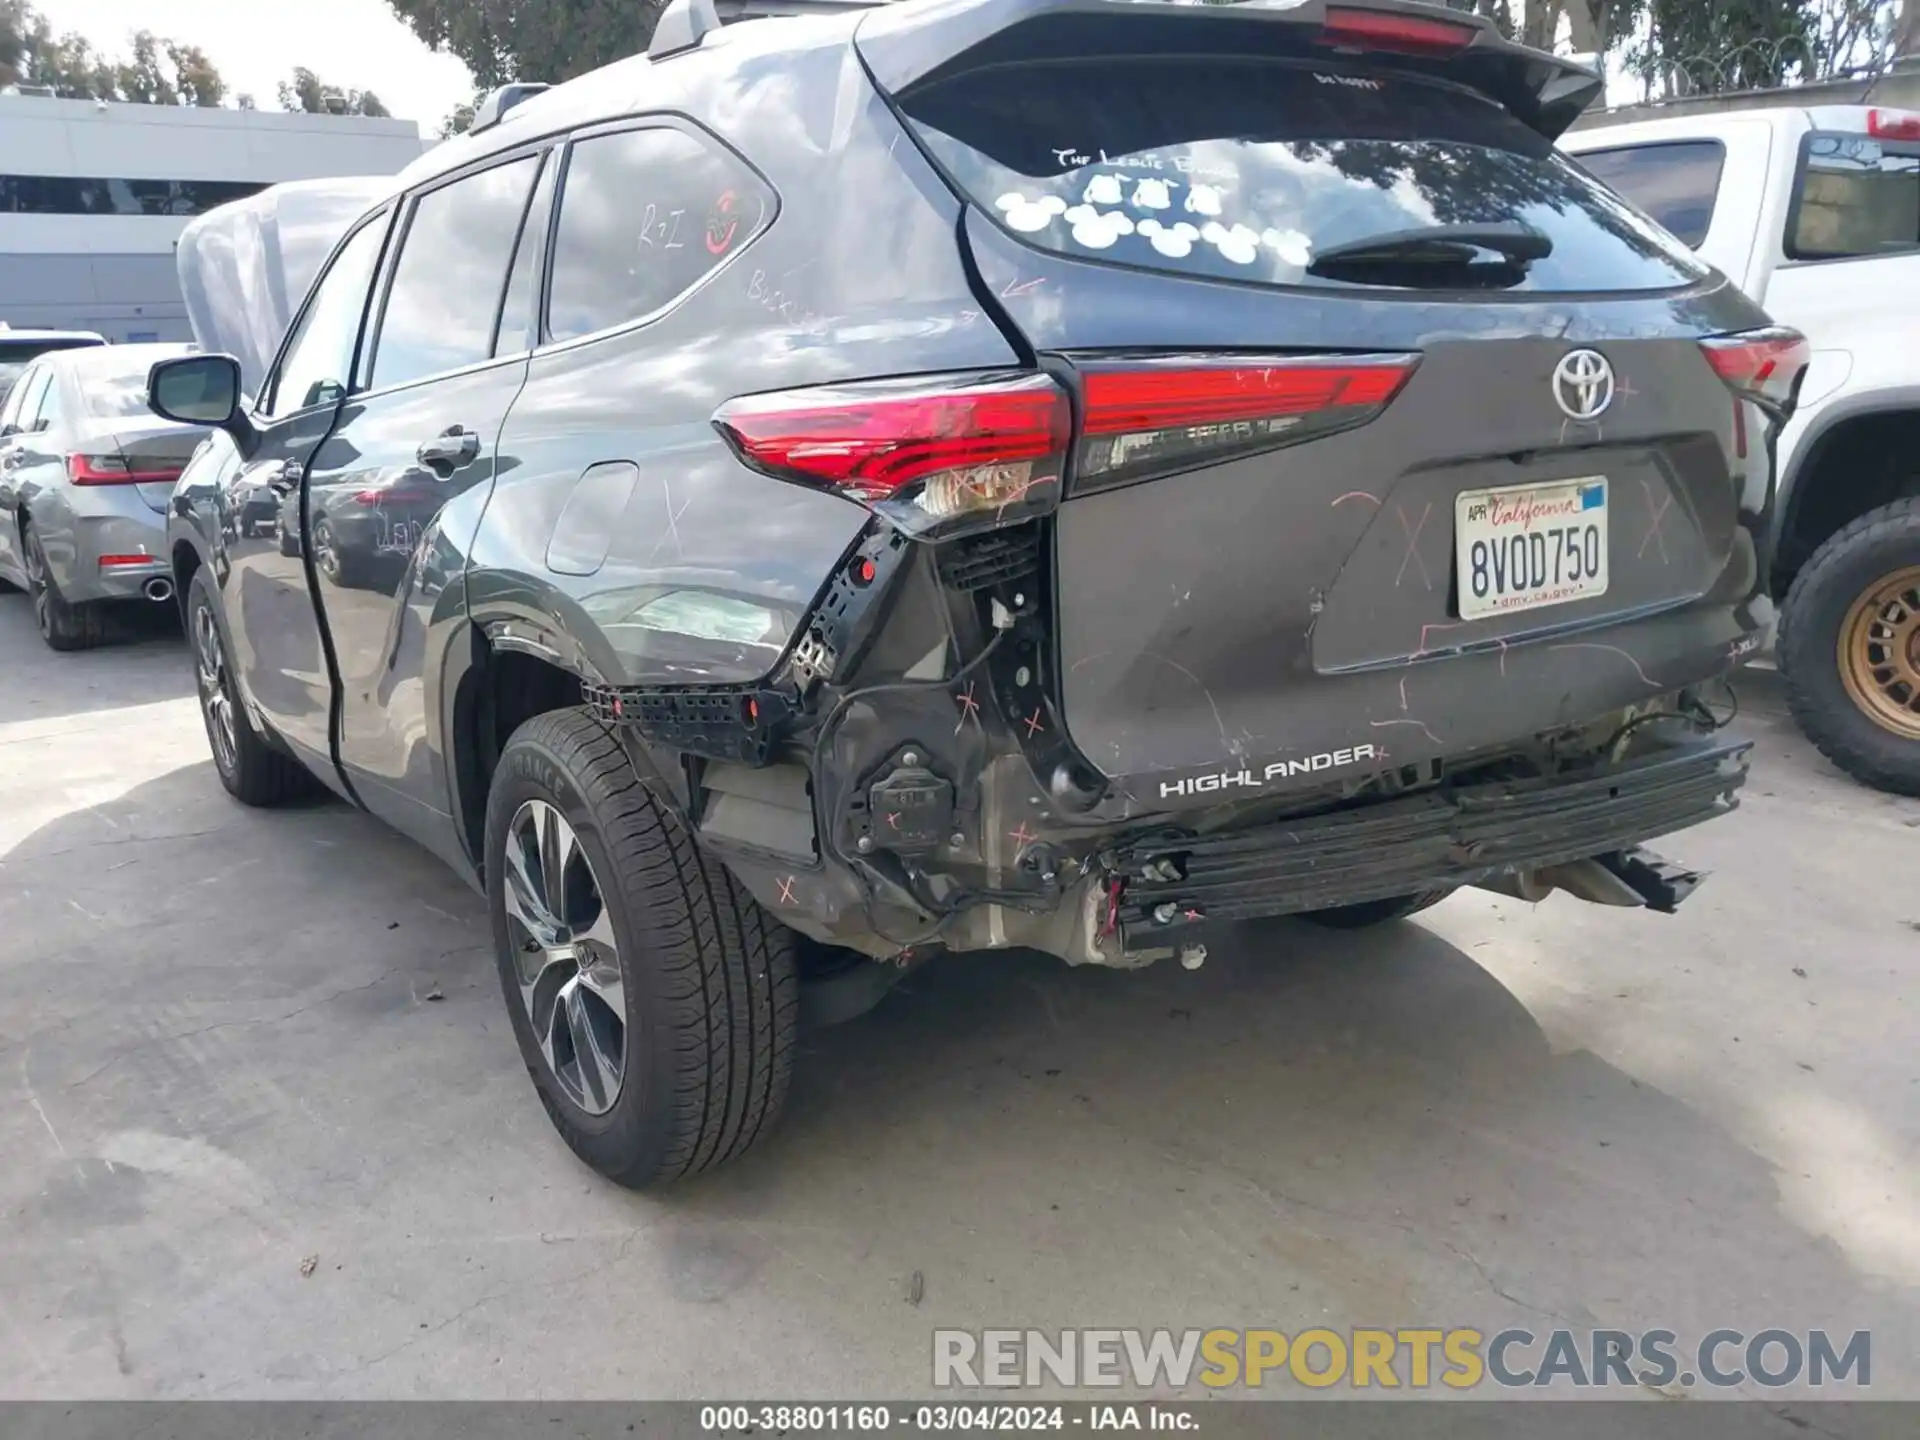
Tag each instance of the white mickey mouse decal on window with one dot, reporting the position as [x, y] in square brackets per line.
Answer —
[1151, 194]
[1290, 245]
[1173, 241]
[1240, 244]
[1203, 199]
[1104, 190]
[1029, 215]
[1097, 229]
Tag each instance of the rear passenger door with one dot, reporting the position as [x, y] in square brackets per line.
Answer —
[394, 494]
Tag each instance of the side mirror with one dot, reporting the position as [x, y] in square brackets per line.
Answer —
[200, 390]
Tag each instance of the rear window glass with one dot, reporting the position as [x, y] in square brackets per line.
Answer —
[1858, 196]
[644, 215]
[1248, 170]
[111, 396]
[1674, 183]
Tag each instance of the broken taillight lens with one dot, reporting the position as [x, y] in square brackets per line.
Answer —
[1157, 417]
[1765, 366]
[935, 454]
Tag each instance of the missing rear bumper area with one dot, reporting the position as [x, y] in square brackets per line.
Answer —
[1453, 836]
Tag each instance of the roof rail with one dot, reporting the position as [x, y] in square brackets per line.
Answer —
[492, 110]
[682, 26]
[731, 10]
[685, 23]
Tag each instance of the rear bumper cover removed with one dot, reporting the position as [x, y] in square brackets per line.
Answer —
[1454, 836]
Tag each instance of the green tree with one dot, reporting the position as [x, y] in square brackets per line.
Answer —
[551, 40]
[156, 71]
[200, 84]
[1692, 48]
[459, 120]
[307, 93]
[145, 79]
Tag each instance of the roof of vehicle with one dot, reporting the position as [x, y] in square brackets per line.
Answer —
[9, 332]
[116, 359]
[1557, 89]
[1776, 108]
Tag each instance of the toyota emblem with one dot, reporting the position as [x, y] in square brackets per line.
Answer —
[1583, 384]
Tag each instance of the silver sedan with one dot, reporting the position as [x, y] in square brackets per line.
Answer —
[86, 472]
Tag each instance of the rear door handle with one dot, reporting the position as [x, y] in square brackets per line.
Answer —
[286, 479]
[449, 450]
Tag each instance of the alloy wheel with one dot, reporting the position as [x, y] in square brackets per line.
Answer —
[1880, 652]
[326, 554]
[216, 697]
[565, 957]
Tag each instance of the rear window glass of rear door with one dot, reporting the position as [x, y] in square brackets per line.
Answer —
[1246, 170]
[1675, 181]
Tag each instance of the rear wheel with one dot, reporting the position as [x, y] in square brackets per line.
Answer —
[654, 1002]
[63, 624]
[252, 771]
[1374, 912]
[1850, 648]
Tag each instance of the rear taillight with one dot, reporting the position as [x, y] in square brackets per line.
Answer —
[1894, 124]
[1153, 418]
[99, 470]
[1394, 33]
[934, 454]
[114, 470]
[1763, 365]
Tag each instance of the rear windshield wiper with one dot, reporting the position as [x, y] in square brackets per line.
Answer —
[1452, 246]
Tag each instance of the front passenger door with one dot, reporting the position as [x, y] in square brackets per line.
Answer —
[273, 631]
[395, 493]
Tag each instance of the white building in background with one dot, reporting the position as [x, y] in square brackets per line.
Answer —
[93, 196]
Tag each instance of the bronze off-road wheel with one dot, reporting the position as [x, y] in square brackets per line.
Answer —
[1850, 648]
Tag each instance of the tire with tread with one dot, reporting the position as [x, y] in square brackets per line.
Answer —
[1368, 913]
[63, 625]
[1807, 646]
[710, 981]
[260, 776]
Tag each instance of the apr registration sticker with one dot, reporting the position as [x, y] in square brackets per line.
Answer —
[1530, 546]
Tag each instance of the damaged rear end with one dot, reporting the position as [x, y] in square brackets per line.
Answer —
[1372, 510]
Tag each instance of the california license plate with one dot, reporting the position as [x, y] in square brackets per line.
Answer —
[1527, 546]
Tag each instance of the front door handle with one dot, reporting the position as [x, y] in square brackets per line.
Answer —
[286, 479]
[449, 450]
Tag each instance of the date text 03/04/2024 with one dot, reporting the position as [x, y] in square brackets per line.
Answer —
[944, 1417]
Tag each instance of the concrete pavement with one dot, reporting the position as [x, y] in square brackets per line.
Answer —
[234, 1042]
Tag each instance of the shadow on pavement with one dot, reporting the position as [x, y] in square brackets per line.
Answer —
[145, 660]
[277, 1035]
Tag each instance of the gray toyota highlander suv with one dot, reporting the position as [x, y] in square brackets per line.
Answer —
[982, 473]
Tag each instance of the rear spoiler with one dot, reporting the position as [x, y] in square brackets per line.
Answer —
[923, 43]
